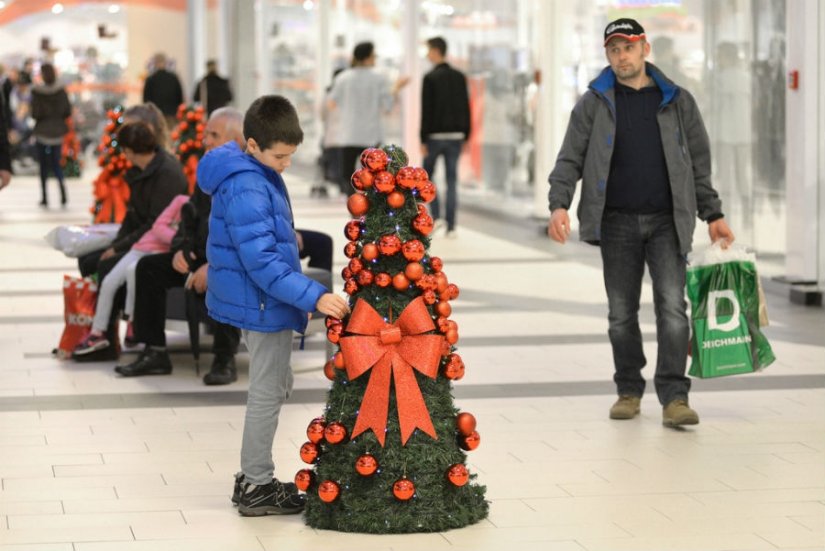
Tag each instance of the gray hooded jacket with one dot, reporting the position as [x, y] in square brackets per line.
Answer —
[588, 146]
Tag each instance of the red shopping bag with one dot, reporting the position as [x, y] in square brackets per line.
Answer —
[79, 298]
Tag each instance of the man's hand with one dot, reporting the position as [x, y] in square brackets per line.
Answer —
[199, 279]
[179, 263]
[719, 230]
[423, 151]
[559, 226]
[5, 178]
[332, 305]
[108, 253]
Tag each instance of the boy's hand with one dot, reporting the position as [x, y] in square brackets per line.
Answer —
[332, 305]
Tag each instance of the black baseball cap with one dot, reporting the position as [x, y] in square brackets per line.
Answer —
[626, 28]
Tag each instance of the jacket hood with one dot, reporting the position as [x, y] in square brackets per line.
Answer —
[607, 81]
[47, 88]
[226, 161]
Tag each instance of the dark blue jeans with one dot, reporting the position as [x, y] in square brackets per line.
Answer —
[451, 150]
[628, 242]
[49, 157]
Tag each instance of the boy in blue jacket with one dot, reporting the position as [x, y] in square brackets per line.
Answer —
[256, 284]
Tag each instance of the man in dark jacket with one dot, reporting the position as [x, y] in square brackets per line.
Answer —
[184, 265]
[213, 90]
[638, 143]
[445, 123]
[163, 89]
[5, 153]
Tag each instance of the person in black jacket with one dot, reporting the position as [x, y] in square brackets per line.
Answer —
[5, 150]
[445, 124]
[163, 89]
[50, 109]
[155, 179]
[213, 90]
[185, 264]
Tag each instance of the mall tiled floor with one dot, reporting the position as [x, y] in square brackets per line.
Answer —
[92, 462]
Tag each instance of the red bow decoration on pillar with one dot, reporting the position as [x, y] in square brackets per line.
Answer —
[392, 349]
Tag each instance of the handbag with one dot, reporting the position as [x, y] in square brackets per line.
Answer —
[79, 299]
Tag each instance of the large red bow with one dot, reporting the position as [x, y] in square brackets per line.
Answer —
[395, 349]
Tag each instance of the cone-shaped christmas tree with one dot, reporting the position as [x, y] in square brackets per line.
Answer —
[111, 192]
[188, 140]
[388, 454]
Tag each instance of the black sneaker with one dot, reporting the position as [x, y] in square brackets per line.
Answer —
[150, 362]
[238, 489]
[272, 499]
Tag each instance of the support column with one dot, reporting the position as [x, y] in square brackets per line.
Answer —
[410, 95]
[196, 45]
[805, 260]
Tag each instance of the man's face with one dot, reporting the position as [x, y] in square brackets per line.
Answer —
[278, 156]
[626, 58]
[215, 134]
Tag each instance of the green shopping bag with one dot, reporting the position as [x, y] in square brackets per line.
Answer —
[722, 286]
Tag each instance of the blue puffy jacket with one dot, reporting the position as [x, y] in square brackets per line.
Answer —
[255, 279]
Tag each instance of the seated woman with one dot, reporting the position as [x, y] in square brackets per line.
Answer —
[155, 180]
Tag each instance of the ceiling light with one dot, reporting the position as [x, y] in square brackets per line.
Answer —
[57, 8]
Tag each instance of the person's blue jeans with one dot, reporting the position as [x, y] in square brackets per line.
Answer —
[49, 157]
[628, 242]
[451, 150]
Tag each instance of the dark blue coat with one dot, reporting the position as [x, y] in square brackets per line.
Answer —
[255, 279]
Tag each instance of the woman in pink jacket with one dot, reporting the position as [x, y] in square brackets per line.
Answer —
[157, 240]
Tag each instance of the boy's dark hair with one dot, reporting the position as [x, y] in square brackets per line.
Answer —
[48, 73]
[272, 119]
[438, 43]
[363, 50]
[138, 137]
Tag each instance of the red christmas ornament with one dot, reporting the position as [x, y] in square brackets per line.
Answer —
[335, 433]
[364, 278]
[396, 199]
[414, 271]
[328, 491]
[355, 266]
[346, 273]
[458, 475]
[358, 204]
[405, 177]
[329, 369]
[436, 264]
[383, 279]
[443, 308]
[427, 283]
[441, 282]
[303, 479]
[427, 192]
[330, 321]
[400, 282]
[338, 362]
[423, 224]
[384, 182]
[403, 489]
[315, 430]
[362, 179]
[465, 423]
[350, 287]
[454, 368]
[469, 442]
[374, 159]
[452, 289]
[451, 336]
[421, 176]
[389, 244]
[334, 333]
[413, 250]
[309, 452]
[352, 230]
[445, 348]
[369, 252]
[351, 249]
[429, 297]
[366, 465]
[422, 209]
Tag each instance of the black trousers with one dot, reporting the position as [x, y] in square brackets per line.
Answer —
[318, 247]
[153, 276]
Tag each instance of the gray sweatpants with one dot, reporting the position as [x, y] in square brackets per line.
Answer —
[270, 383]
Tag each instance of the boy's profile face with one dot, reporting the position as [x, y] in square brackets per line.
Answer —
[278, 156]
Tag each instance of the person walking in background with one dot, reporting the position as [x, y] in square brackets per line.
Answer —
[213, 91]
[256, 284]
[638, 143]
[50, 108]
[445, 124]
[362, 96]
[163, 89]
[5, 149]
